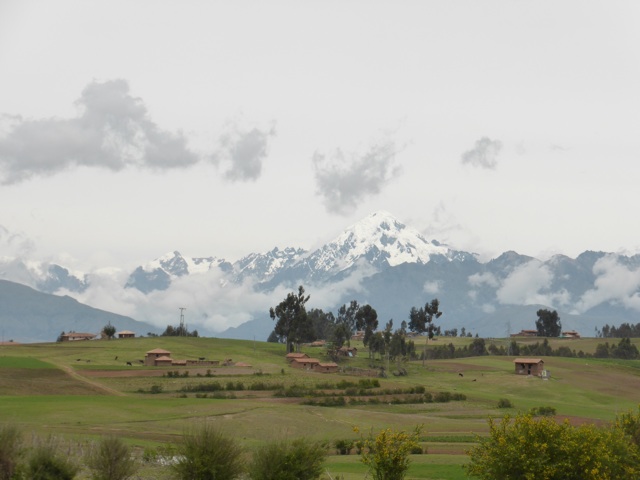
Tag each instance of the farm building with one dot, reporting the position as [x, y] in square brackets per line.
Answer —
[304, 363]
[329, 367]
[347, 351]
[151, 357]
[73, 336]
[293, 355]
[525, 333]
[126, 334]
[529, 366]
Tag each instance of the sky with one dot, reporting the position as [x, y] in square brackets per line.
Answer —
[129, 129]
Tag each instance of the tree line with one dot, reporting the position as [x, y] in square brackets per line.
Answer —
[295, 325]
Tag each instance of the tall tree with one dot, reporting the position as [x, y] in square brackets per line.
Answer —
[293, 324]
[347, 316]
[548, 323]
[367, 320]
[421, 320]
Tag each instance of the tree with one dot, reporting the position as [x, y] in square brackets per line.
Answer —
[347, 316]
[367, 320]
[292, 325]
[387, 453]
[548, 323]
[525, 447]
[207, 454]
[109, 330]
[421, 320]
[111, 459]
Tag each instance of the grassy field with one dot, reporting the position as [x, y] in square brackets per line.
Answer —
[80, 390]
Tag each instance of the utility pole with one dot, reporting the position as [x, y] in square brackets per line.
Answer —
[183, 331]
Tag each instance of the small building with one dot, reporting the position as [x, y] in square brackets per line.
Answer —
[526, 333]
[304, 363]
[293, 355]
[358, 336]
[162, 361]
[571, 334]
[329, 367]
[529, 366]
[152, 355]
[345, 351]
[74, 336]
[126, 334]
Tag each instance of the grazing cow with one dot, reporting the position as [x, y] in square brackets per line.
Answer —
[116, 357]
[201, 358]
[129, 363]
[473, 380]
[461, 375]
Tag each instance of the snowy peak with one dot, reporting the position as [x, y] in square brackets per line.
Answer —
[267, 264]
[380, 239]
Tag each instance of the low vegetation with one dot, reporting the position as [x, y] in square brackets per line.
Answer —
[82, 392]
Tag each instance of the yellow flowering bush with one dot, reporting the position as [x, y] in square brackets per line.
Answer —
[387, 452]
[528, 448]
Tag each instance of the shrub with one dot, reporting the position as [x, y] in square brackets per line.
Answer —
[111, 459]
[543, 411]
[505, 403]
[46, 462]
[155, 389]
[524, 447]
[298, 459]
[343, 446]
[10, 450]
[387, 453]
[207, 454]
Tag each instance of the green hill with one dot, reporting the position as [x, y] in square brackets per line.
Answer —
[83, 389]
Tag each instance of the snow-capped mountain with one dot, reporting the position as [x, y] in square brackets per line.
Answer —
[379, 261]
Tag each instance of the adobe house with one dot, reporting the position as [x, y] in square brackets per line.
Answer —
[525, 333]
[73, 336]
[163, 361]
[529, 366]
[347, 351]
[304, 363]
[126, 334]
[326, 367]
[291, 356]
[152, 355]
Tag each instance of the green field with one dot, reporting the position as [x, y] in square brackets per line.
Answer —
[80, 390]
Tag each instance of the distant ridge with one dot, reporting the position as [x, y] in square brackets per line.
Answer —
[30, 316]
[378, 261]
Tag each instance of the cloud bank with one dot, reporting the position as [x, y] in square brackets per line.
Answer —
[344, 180]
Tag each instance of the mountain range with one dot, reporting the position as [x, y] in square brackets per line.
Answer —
[384, 263]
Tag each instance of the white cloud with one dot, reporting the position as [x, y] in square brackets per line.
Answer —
[529, 285]
[487, 278]
[614, 283]
[432, 288]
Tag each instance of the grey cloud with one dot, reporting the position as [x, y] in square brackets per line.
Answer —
[113, 131]
[246, 151]
[343, 180]
[484, 154]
